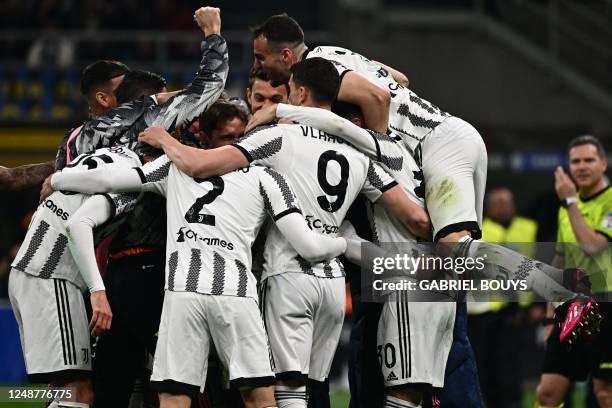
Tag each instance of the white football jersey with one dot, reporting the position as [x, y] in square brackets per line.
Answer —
[44, 251]
[213, 222]
[327, 174]
[410, 117]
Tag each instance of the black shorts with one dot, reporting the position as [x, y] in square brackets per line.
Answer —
[577, 362]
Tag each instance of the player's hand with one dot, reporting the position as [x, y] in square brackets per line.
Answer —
[153, 136]
[209, 20]
[263, 116]
[564, 186]
[102, 314]
[347, 230]
[46, 190]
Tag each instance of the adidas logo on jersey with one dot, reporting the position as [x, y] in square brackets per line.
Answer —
[391, 376]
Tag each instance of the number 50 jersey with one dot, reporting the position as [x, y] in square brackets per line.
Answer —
[212, 224]
[327, 174]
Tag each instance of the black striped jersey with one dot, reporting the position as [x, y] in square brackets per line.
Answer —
[213, 222]
[44, 251]
[121, 125]
[410, 116]
[391, 154]
[327, 174]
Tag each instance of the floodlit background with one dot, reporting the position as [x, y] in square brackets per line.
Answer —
[528, 74]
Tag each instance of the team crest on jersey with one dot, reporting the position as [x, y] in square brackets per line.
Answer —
[607, 221]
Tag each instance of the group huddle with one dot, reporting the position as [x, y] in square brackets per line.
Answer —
[351, 127]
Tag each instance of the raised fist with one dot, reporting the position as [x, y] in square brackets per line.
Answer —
[209, 20]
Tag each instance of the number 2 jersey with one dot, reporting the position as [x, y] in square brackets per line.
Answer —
[410, 116]
[213, 222]
[44, 251]
[327, 174]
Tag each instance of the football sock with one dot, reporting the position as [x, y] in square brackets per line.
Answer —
[290, 397]
[393, 402]
[541, 278]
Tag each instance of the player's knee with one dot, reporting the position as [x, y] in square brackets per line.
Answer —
[82, 387]
[259, 397]
[174, 401]
[406, 394]
[548, 397]
[603, 392]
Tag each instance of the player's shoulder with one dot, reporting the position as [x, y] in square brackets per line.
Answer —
[605, 198]
[329, 50]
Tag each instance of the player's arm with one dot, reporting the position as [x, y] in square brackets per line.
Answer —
[373, 100]
[178, 110]
[382, 189]
[282, 206]
[592, 242]
[92, 213]
[398, 76]
[151, 177]
[414, 217]
[377, 146]
[23, 177]
[192, 161]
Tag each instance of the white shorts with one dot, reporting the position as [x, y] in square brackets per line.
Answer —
[455, 171]
[190, 323]
[53, 326]
[413, 341]
[303, 316]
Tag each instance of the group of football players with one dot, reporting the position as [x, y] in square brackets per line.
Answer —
[179, 283]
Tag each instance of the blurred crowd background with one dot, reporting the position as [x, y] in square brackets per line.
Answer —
[529, 74]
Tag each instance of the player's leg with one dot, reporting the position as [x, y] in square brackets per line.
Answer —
[289, 302]
[551, 390]
[181, 355]
[240, 339]
[601, 357]
[562, 365]
[327, 328]
[55, 332]
[414, 340]
[454, 169]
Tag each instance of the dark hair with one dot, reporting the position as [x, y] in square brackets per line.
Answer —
[280, 29]
[219, 113]
[347, 110]
[138, 83]
[258, 74]
[99, 73]
[319, 76]
[587, 139]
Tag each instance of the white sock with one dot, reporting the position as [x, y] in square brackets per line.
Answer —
[393, 402]
[543, 279]
[290, 397]
[68, 404]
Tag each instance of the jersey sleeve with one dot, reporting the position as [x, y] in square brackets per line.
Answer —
[277, 194]
[604, 224]
[377, 182]
[333, 55]
[122, 203]
[154, 175]
[180, 110]
[262, 145]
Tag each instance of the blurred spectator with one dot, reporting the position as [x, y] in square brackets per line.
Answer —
[51, 49]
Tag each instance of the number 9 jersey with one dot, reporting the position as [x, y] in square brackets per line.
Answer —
[326, 172]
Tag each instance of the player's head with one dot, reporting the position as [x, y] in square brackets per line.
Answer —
[314, 82]
[98, 83]
[277, 44]
[138, 83]
[222, 124]
[587, 162]
[499, 205]
[350, 112]
[260, 92]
